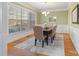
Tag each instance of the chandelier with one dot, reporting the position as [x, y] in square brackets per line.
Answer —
[45, 13]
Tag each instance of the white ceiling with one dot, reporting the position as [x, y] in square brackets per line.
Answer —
[49, 6]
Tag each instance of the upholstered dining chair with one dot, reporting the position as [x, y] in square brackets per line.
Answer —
[38, 33]
[55, 27]
[53, 33]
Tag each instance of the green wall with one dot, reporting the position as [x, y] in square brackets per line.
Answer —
[38, 18]
[71, 7]
[62, 17]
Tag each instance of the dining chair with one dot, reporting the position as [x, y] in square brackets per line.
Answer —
[38, 33]
[53, 33]
[55, 27]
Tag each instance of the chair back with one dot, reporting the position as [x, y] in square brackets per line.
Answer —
[38, 32]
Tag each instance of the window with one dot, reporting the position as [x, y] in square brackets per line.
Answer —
[25, 20]
[13, 19]
[20, 19]
[75, 15]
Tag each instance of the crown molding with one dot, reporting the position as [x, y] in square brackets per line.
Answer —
[26, 5]
[56, 10]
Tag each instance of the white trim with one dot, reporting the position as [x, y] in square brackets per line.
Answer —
[62, 29]
[1, 44]
[74, 34]
[66, 9]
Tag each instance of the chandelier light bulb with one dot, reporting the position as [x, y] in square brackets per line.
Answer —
[45, 13]
[48, 12]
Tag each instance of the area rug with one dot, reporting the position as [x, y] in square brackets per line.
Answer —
[53, 49]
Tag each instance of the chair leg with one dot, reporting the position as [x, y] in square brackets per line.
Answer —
[53, 37]
[35, 41]
[42, 43]
[51, 40]
[47, 41]
[39, 40]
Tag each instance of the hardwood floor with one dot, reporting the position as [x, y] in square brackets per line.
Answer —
[12, 51]
[69, 49]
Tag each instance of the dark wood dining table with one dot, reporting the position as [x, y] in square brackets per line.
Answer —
[46, 32]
